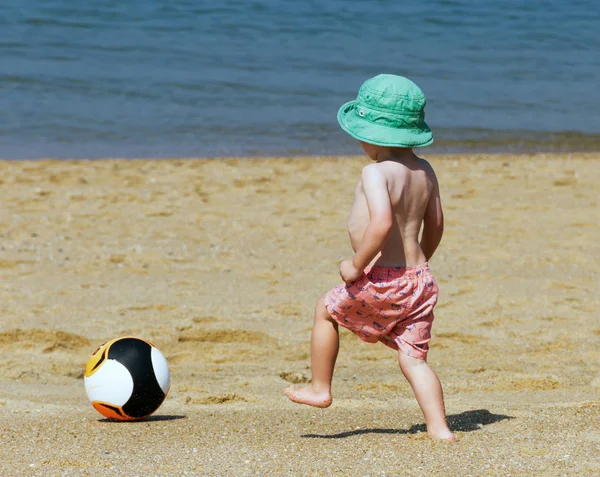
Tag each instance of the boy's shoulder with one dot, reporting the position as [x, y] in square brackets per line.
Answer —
[387, 167]
[372, 173]
[392, 172]
[425, 164]
[428, 168]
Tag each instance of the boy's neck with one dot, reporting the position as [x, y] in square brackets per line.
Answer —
[382, 153]
[396, 154]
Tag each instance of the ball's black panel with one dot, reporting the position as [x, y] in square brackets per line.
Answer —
[115, 409]
[136, 356]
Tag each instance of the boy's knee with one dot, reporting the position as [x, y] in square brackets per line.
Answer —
[321, 312]
[408, 364]
[320, 307]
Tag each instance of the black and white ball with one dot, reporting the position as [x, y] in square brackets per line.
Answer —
[127, 378]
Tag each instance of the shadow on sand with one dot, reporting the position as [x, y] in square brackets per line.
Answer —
[146, 419]
[467, 421]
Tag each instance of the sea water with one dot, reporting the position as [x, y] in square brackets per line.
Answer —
[183, 78]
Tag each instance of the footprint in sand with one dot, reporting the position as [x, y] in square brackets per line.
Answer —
[223, 336]
[294, 377]
[48, 340]
[218, 399]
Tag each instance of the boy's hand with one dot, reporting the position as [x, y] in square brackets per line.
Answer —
[349, 272]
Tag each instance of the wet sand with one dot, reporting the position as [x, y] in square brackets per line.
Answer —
[219, 263]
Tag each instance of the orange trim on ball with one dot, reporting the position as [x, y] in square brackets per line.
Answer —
[111, 411]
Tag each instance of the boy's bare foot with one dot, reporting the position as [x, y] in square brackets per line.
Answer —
[306, 395]
[444, 435]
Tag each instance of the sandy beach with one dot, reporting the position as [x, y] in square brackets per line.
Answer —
[219, 263]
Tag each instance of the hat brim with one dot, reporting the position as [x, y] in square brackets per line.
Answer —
[380, 135]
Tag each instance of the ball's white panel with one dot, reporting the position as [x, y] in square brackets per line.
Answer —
[161, 370]
[111, 384]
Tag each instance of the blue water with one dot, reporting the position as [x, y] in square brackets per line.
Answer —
[190, 78]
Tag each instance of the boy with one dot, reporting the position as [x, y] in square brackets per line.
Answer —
[388, 293]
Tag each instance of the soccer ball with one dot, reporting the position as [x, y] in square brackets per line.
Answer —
[127, 378]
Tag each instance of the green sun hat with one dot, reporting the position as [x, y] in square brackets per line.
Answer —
[389, 111]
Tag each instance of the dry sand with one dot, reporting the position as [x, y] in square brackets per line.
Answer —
[220, 262]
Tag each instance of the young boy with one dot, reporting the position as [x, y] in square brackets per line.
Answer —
[388, 293]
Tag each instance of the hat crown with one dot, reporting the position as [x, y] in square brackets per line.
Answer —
[393, 94]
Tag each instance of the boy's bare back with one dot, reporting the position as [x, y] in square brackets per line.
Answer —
[405, 192]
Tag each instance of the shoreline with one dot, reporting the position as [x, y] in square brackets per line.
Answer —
[440, 148]
[324, 157]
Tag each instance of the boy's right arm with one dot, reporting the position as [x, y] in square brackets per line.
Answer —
[433, 221]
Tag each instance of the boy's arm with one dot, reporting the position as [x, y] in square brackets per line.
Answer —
[433, 221]
[376, 192]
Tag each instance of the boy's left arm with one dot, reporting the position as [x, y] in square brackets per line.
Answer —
[376, 192]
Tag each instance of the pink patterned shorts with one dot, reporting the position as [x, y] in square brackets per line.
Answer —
[391, 305]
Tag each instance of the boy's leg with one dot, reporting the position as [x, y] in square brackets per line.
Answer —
[323, 353]
[428, 391]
